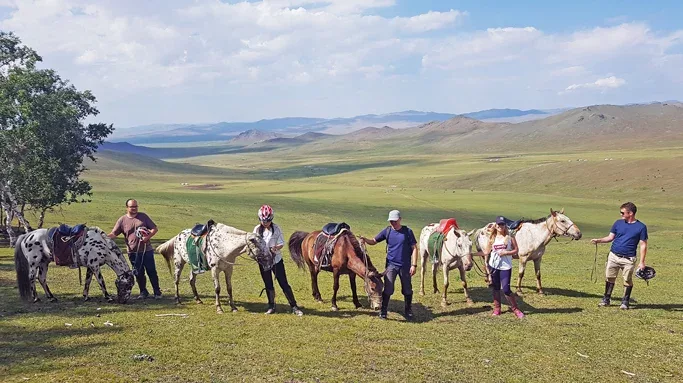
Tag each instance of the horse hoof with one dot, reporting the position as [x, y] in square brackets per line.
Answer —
[199, 302]
[422, 292]
[53, 300]
[177, 301]
[540, 292]
[86, 299]
[219, 311]
[36, 300]
[358, 306]
[234, 309]
[335, 308]
[436, 291]
[444, 303]
[319, 300]
[469, 303]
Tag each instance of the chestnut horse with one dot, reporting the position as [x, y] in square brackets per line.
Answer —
[348, 257]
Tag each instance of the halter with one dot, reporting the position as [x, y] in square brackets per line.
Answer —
[553, 234]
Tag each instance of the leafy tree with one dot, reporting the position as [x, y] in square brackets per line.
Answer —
[43, 136]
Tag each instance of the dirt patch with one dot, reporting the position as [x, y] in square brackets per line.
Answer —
[205, 187]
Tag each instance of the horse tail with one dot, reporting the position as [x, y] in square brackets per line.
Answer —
[167, 249]
[295, 250]
[21, 267]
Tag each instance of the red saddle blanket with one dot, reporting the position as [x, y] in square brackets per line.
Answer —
[63, 247]
[445, 225]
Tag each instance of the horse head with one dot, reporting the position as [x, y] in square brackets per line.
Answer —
[258, 250]
[563, 226]
[463, 247]
[373, 287]
[124, 285]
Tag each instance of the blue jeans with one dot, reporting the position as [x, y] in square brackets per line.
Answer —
[501, 280]
[390, 274]
[145, 262]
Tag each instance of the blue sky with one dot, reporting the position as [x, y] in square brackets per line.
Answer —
[193, 61]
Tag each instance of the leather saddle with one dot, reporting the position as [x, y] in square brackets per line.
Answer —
[65, 242]
[513, 225]
[332, 228]
[202, 228]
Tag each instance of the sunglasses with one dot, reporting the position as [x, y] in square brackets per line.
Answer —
[134, 206]
[623, 212]
[500, 224]
[266, 220]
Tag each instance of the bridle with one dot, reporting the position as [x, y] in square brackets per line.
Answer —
[555, 226]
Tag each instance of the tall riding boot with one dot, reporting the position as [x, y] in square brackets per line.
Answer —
[609, 287]
[271, 301]
[496, 303]
[408, 314]
[627, 297]
[512, 299]
[292, 302]
[142, 284]
[385, 306]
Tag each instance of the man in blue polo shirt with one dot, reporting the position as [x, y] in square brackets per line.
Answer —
[627, 235]
[401, 261]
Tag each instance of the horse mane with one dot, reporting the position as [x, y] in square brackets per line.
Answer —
[229, 229]
[535, 221]
[358, 249]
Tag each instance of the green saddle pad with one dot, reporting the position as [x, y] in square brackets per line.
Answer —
[196, 256]
[435, 244]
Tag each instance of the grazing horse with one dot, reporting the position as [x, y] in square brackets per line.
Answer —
[348, 257]
[456, 252]
[223, 245]
[34, 251]
[532, 237]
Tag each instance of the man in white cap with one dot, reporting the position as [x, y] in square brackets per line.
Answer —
[401, 261]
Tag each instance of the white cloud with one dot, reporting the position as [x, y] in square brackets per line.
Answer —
[207, 60]
[602, 84]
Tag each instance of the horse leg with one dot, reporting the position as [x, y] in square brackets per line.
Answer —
[435, 267]
[335, 288]
[464, 286]
[314, 285]
[42, 277]
[422, 273]
[217, 288]
[228, 286]
[100, 280]
[176, 276]
[193, 280]
[352, 280]
[537, 269]
[86, 286]
[444, 297]
[522, 266]
[32, 274]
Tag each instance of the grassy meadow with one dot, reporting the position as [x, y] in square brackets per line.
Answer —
[565, 336]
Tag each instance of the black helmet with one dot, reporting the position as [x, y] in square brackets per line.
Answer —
[646, 273]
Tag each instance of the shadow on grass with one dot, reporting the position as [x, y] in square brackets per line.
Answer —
[563, 292]
[21, 345]
[666, 307]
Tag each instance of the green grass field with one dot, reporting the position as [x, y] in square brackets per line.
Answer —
[565, 336]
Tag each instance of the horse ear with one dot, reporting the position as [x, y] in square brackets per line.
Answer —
[469, 233]
[552, 212]
[562, 211]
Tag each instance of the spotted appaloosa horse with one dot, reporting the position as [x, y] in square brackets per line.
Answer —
[532, 237]
[223, 244]
[33, 253]
[456, 253]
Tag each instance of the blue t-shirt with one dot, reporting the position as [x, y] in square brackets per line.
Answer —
[627, 236]
[399, 245]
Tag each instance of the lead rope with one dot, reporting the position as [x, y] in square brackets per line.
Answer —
[595, 265]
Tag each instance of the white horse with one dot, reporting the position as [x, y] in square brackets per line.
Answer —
[33, 252]
[223, 245]
[532, 237]
[456, 252]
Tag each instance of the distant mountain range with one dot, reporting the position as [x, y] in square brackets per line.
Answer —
[289, 126]
[600, 126]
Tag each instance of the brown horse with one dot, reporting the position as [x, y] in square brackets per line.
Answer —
[347, 258]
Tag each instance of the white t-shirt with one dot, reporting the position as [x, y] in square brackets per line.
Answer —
[273, 237]
[495, 260]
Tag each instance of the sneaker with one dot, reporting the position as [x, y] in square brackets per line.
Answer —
[624, 305]
[518, 313]
[382, 315]
[496, 312]
[157, 296]
[271, 310]
[143, 296]
[296, 311]
[604, 302]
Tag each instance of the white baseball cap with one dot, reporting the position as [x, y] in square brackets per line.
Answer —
[394, 215]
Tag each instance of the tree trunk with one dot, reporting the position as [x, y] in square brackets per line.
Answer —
[9, 204]
[41, 218]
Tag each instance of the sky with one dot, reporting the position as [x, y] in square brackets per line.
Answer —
[200, 61]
